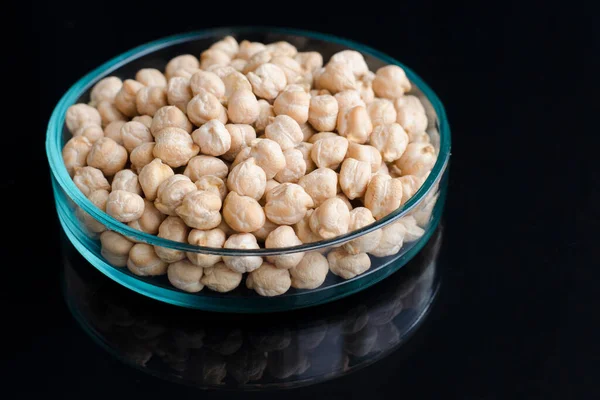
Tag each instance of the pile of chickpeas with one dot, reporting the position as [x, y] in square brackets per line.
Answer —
[251, 145]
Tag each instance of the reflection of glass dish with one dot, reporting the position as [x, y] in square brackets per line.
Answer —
[290, 349]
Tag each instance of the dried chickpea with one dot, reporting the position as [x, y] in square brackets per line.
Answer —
[185, 276]
[311, 272]
[355, 124]
[363, 152]
[347, 265]
[243, 213]
[345, 199]
[174, 146]
[417, 160]
[329, 152]
[258, 59]
[392, 239]
[209, 81]
[187, 61]
[179, 92]
[185, 72]
[382, 112]
[200, 166]
[134, 134]
[419, 137]
[271, 184]
[423, 213]
[227, 45]
[113, 131]
[268, 156]
[248, 49]
[235, 81]
[146, 120]
[309, 61]
[150, 219]
[242, 107]
[365, 87]
[171, 192]
[92, 132]
[141, 156]
[383, 170]
[241, 136]
[330, 219]
[307, 131]
[412, 230]
[221, 70]
[150, 98]
[221, 279]
[124, 206]
[266, 115]
[200, 209]
[109, 112]
[359, 218]
[265, 230]
[125, 100]
[108, 156]
[320, 184]
[391, 140]
[354, 177]
[289, 66]
[390, 82]
[305, 148]
[321, 135]
[152, 175]
[267, 81]
[282, 48]
[244, 241]
[208, 238]
[170, 117]
[269, 281]
[294, 102]
[287, 204]
[302, 229]
[172, 228]
[247, 179]
[336, 77]
[213, 138]
[212, 183]
[348, 99]
[75, 153]
[204, 107]
[115, 248]
[105, 90]
[285, 131]
[383, 195]
[283, 236]
[410, 185]
[126, 180]
[353, 59]
[99, 199]
[90, 179]
[295, 167]
[143, 261]
[212, 57]
[151, 77]
[80, 115]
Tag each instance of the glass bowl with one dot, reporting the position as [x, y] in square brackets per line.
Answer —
[82, 221]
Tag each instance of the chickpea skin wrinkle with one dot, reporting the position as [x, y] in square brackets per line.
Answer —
[330, 219]
[287, 204]
[283, 236]
[213, 138]
[108, 156]
[208, 238]
[171, 192]
[243, 213]
[247, 179]
[241, 264]
[200, 209]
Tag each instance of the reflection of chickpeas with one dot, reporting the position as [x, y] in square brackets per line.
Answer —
[221, 279]
[311, 272]
[185, 276]
[172, 228]
[75, 153]
[200, 209]
[125, 100]
[241, 264]
[174, 147]
[115, 248]
[143, 261]
[170, 117]
[243, 213]
[150, 220]
[105, 90]
[99, 199]
[330, 219]
[359, 218]
[171, 192]
[347, 265]
[383, 195]
[205, 165]
[126, 180]
[392, 239]
[287, 204]
[269, 281]
[108, 156]
[134, 134]
[412, 230]
[90, 179]
[417, 160]
[124, 206]
[208, 238]
[283, 236]
[321, 184]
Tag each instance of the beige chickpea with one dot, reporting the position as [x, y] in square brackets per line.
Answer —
[90, 179]
[290, 67]
[150, 219]
[311, 272]
[345, 199]
[113, 131]
[241, 136]
[353, 59]
[382, 112]
[108, 156]
[171, 192]
[354, 177]
[307, 131]
[247, 179]
[268, 156]
[125, 100]
[207, 238]
[185, 276]
[182, 61]
[321, 135]
[355, 124]
[392, 240]
[410, 185]
[266, 115]
[330, 219]
[271, 184]
[145, 120]
[295, 167]
[80, 115]
[258, 59]
[269, 281]
[390, 82]
[109, 112]
[242, 107]
[285, 131]
[347, 265]
[212, 183]
[126, 180]
[423, 212]
[348, 99]
[152, 175]
[179, 92]
[412, 230]
[141, 156]
[170, 117]
[204, 107]
[213, 138]
[172, 228]
[115, 248]
[336, 77]
[99, 199]
[243, 213]
[124, 206]
[220, 278]
[151, 77]
[92, 132]
[418, 137]
[248, 49]
[227, 45]
[293, 102]
[235, 81]
[282, 48]
[267, 81]
[309, 61]
[383, 195]
[287, 204]
[105, 90]
[283, 236]
[305, 148]
[364, 86]
[200, 166]
[302, 229]
[209, 81]
[359, 218]
[363, 152]
[200, 209]
[329, 152]
[244, 241]
[143, 261]
[265, 230]
[174, 146]
[134, 134]
[320, 92]
[212, 57]
[75, 153]
[185, 72]
[417, 160]
[320, 184]
[383, 170]
[150, 98]
[391, 140]
[221, 70]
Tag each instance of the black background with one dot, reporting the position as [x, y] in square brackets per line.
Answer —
[520, 89]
